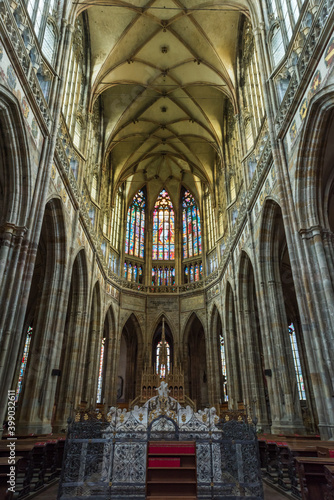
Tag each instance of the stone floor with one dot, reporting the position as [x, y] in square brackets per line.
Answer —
[51, 493]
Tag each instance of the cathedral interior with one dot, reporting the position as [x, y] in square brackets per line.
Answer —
[167, 208]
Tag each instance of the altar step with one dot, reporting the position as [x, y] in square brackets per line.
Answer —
[171, 470]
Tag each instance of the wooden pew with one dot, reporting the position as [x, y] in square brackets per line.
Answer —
[312, 479]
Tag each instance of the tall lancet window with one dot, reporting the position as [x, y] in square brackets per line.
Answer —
[162, 367]
[191, 222]
[24, 361]
[223, 362]
[296, 362]
[135, 226]
[100, 379]
[163, 228]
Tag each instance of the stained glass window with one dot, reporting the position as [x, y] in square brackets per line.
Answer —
[223, 362]
[99, 384]
[135, 226]
[192, 238]
[162, 368]
[24, 362]
[163, 228]
[296, 362]
[163, 276]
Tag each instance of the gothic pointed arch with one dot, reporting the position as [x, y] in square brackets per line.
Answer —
[42, 325]
[195, 362]
[93, 346]
[15, 169]
[156, 343]
[130, 363]
[74, 343]
[232, 349]
[106, 391]
[251, 343]
[290, 380]
[312, 169]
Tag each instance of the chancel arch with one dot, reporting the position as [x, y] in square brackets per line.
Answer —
[195, 362]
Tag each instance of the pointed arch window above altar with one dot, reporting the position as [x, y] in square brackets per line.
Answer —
[162, 367]
[163, 228]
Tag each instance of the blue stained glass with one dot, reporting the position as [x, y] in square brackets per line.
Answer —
[125, 270]
[196, 273]
[135, 273]
[191, 273]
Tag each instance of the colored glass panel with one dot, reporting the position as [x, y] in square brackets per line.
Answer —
[163, 228]
[191, 224]
[24, 362]
[135, 226]
[196, 273]
[191, 273]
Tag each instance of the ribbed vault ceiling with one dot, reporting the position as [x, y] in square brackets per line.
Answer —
[164, 69]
